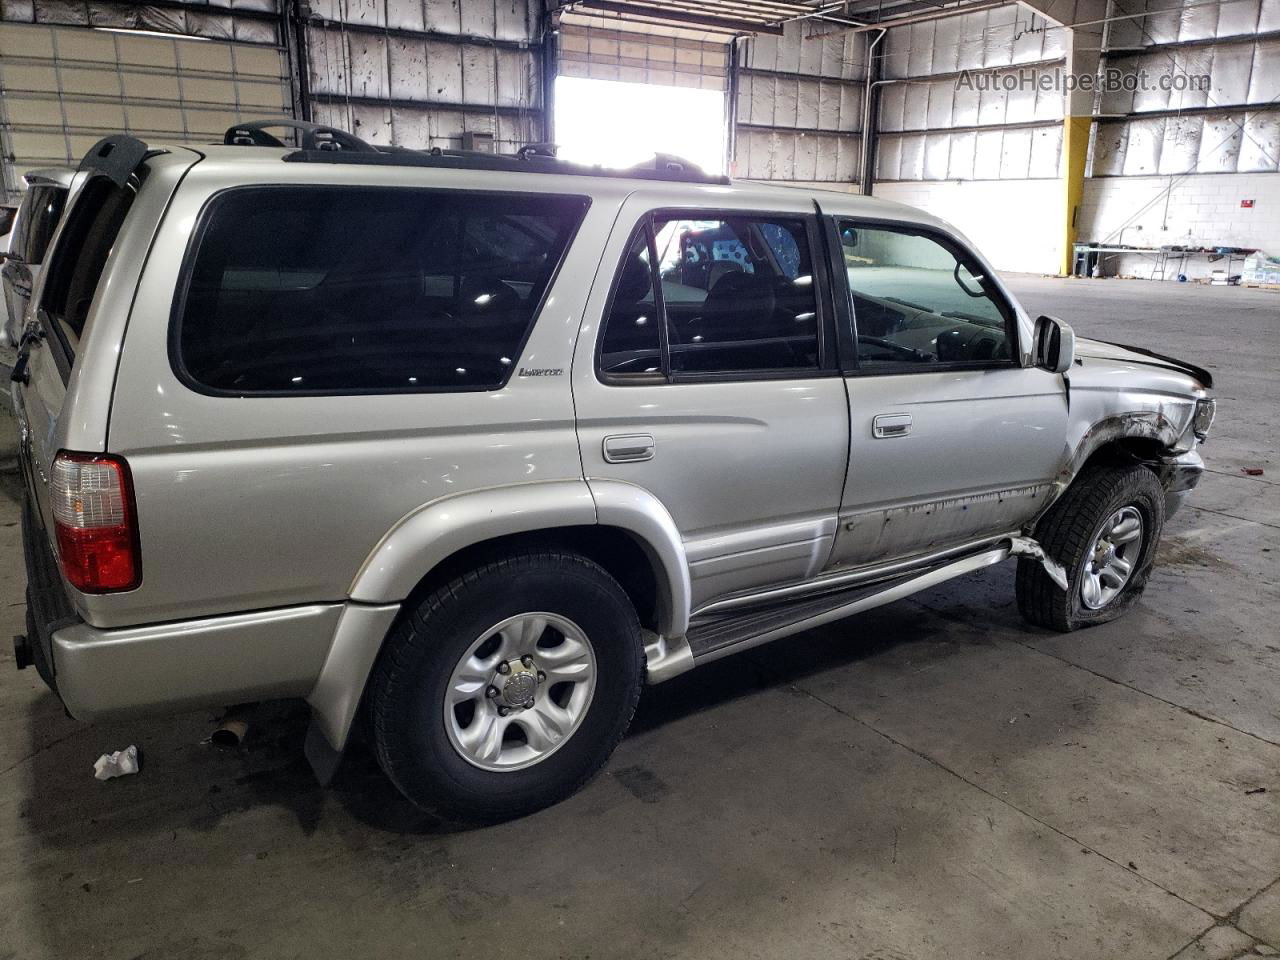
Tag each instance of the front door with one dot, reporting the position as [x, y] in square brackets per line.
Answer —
[951, 437]
[713, 386]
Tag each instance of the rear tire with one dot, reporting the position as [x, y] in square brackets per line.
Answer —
[1086, 531]
[459, 723]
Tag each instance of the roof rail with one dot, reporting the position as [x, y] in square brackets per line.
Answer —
[322, 144]
[315, 136]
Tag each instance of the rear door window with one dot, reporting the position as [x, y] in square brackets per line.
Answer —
[76, 266]
[41, 211]
[714, 296]
[335, 290]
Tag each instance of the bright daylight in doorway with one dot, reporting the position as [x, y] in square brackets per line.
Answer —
[619, 124]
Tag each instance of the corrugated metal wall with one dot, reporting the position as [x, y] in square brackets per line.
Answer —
[1233, 126]
[799, 110]
[420, 73]
[934, 128]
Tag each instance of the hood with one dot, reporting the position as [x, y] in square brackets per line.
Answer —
[1105, 350]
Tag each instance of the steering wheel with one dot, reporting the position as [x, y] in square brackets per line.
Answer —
[909, 353]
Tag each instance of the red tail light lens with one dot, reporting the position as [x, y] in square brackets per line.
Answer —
[94, 518]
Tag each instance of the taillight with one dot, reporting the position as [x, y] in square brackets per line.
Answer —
[93, 512]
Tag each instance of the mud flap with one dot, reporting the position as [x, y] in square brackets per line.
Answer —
[324, 759]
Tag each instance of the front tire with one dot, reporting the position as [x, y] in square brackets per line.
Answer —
[505, 690]
[1104, 532]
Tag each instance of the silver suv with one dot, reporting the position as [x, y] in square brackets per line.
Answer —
[468, 448]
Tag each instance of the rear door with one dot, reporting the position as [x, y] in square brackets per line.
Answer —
[714, 385]
[952, 437]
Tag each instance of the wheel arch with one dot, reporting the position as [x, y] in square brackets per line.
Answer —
[619, 526]
[1142, 436]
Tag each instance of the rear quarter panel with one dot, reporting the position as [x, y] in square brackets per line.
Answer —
[54, 414]
[254, 502]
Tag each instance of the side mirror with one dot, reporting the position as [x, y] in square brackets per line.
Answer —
[1055, 345]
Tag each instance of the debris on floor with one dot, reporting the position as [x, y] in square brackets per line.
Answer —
[1252, 471]
[118, 764]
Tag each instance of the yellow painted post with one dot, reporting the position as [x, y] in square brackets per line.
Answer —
[1075, 147]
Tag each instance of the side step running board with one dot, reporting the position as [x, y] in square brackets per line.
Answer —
[719, 637]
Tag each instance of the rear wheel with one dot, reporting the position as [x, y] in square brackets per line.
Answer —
[1104, 531]
[505, 690]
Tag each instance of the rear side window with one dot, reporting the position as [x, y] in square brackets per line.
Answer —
[92, 227]
[41, 210]
[333, 290]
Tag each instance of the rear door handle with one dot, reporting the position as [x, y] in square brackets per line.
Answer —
[629, 448]
[886, 425]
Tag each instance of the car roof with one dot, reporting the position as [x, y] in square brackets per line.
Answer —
[259, 165]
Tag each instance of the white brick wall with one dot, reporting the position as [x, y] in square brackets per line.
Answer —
[1014, 223]
[1199, 210]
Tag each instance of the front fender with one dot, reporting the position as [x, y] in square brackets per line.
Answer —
[1151, 425]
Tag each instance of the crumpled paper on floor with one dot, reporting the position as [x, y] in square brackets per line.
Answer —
[118, 764]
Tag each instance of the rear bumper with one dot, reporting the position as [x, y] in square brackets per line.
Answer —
[215, 661]
[318, 651]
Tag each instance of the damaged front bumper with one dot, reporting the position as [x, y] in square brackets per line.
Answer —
[1179, 476]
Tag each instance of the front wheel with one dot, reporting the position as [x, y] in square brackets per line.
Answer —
[505, 690]
[1104, 531]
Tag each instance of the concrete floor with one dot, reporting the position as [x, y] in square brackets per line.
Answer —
[934, 779]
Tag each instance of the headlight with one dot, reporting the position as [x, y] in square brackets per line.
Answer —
[1203, 420]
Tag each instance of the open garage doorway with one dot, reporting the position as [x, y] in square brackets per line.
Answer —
[618, 124]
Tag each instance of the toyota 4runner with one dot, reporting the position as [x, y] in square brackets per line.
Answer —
[470, 447]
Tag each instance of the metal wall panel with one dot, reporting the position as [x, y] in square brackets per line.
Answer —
[1260, 143]
[421, 73]
[243, 21]
[66, 87]
[1208, 130]
[1001, 36]
[800, 101]
[1201, 143]
[923, 62]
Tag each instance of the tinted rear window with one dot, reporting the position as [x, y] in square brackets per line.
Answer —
[332, 290]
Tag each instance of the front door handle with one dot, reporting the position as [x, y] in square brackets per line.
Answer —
[887, 425]
[629, 448]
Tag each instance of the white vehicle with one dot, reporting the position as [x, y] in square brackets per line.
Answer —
[482, 443]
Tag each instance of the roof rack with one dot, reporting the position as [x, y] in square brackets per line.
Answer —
[323, 144]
